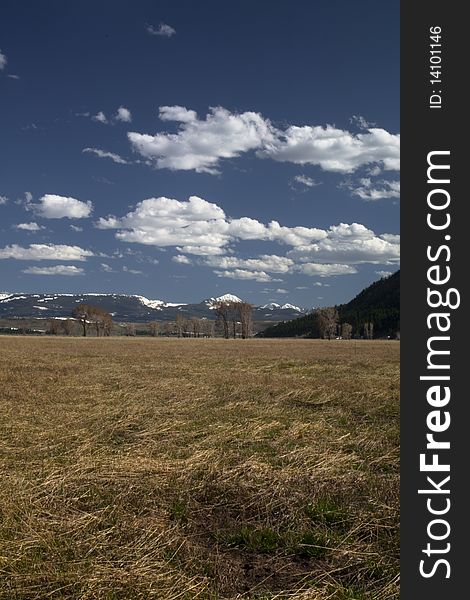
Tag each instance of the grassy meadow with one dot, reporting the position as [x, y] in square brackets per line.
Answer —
[198, 468]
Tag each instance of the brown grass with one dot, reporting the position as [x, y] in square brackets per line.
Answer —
[209, 469]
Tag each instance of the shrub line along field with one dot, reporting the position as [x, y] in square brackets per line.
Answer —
[199, 468]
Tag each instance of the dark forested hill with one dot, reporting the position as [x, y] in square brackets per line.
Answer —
[378, 304]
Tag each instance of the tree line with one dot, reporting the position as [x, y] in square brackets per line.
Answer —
[233, 319]
[325, 323]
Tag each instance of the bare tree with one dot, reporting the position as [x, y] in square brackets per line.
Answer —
[68, 326]
[169, 328]
[181, 324]
[196, 326]
[207, 327]
[346, 331]
[102, 321]
[53, 327]
[223, 310]
[129, 329]
[369, 330]
[245, 312]
[81, 313]
[93, 315]
[154, 328]
[328, 321]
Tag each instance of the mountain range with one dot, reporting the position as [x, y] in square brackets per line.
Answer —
[136, 309]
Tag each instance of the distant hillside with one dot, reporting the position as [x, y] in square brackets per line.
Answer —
[136, 309]
[379, 304]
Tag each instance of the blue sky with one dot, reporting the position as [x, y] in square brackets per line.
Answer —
[181, 150]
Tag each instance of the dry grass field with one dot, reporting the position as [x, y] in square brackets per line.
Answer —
[211, 469]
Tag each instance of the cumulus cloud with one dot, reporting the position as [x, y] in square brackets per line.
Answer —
[68, 270]
[200, 144]
[270, 263]
[350, 244]
[163, 30]
[123, 114]
[181, 259]
[375, 190]
[201, 228]
[45, 252]
[100, 117]
[282, 291]
[29, 226]
[246, 275]
[323, 270]
[52, 206]
[3, 61]
[106, 268]
[103, 154]
[76, 228]
[198, 227]
[3, 199]
[334, 149]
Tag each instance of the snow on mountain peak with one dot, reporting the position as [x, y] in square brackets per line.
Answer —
[157, 304]
[271, 306]
[223, 298]
[291, 307]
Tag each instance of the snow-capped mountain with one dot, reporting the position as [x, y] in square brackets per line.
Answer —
[225, 298]
[133, 308]
[276, 306]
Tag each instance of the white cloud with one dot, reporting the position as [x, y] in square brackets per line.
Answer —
[13, 76]
[45, 252]
[123, 114]
[375, 190]
[383, 273]
[3, 61]
[270, 263]
[199, 227]
[202, 228]
[163, 30]
[202, 250]
[244, 275]
[28, 196]
[361, 122]
[76, 228]
[391, 237]
[103, 154]
[29, 226]
[132, 271]
[334, 149]
[52, 206]
[282, 291]
[323, 270]
[3, 199]
[106, 268]
[181, 259]
[374, 171]
[200, 144]
[180, 114]
[100, 117]
[68, 270]
[350, 244]
[305, 180]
